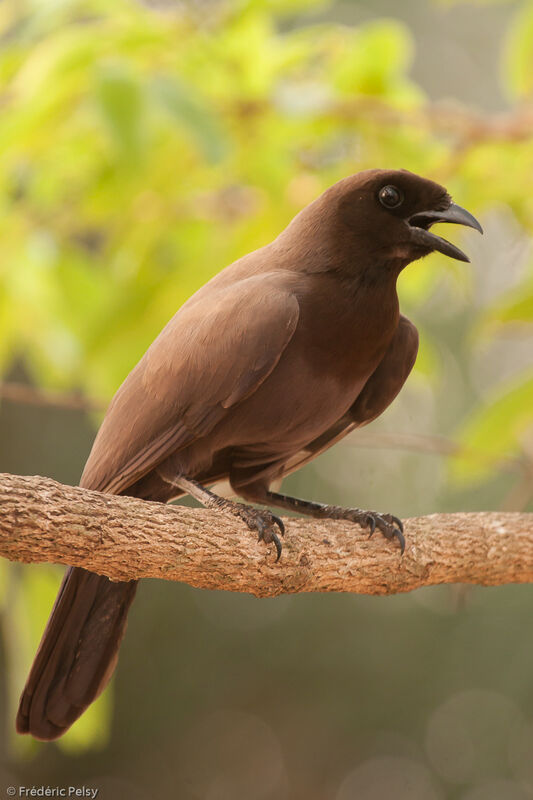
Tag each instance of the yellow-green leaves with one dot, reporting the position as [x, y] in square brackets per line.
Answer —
[373, 61]
[514, 307]
[187, 109]
[497, 432]
[121, 101]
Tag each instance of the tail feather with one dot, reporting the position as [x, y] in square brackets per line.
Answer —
[77, 654]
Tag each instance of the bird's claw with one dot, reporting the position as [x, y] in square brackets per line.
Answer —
[263, 522]
[390, 526]
[397, 521]
[370, 523]
[272, 536]
[401, 538]
[279, 522]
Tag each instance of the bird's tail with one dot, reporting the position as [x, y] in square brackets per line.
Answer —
[77, 654]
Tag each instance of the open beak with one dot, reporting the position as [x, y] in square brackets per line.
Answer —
[421, 222]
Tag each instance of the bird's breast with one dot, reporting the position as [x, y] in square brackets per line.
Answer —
[330, 357]
[345, 334]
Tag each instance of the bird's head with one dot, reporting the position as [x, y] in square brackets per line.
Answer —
[385, 217]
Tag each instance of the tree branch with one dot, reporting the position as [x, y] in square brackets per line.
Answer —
[125, 538]
[25, 393]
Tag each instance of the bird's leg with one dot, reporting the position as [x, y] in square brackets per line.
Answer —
[390, 526]
[259, 520]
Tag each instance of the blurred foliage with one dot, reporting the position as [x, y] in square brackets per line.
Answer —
[519, 54]
[143, 149]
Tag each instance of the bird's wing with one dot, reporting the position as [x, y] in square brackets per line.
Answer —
[377, 394]
[213, 354]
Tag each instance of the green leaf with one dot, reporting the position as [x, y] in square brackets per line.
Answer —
[494, 433]
[373, 59]
[279, 7]
[516, 307]
[190, 112]
[121, 102]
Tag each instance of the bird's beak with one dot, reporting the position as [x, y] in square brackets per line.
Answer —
[422, 221]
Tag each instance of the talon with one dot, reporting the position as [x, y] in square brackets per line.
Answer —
[279, 523]
[266, 532]
[397, 522]
[401, 538]
[371, 522]
[275, 539]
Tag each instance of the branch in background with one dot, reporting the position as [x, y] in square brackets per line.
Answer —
[451, 119]
[414, 442]
[34, 396]
[124, 538]
[465, 125]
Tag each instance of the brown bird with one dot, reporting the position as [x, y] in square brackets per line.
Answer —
[274, 360]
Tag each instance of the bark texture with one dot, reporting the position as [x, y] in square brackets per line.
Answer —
[124, 538]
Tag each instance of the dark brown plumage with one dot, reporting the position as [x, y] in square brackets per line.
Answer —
[275, 359]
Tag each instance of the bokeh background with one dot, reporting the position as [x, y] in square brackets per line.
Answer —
[144, 146]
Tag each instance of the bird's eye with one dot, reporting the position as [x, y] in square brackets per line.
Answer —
[390, 196]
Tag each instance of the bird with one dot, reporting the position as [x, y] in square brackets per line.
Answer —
[275, 359]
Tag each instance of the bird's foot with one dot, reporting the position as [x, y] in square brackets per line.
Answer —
[390, 526]
[260, 520]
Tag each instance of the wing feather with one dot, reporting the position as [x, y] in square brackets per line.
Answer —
[213, 354]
